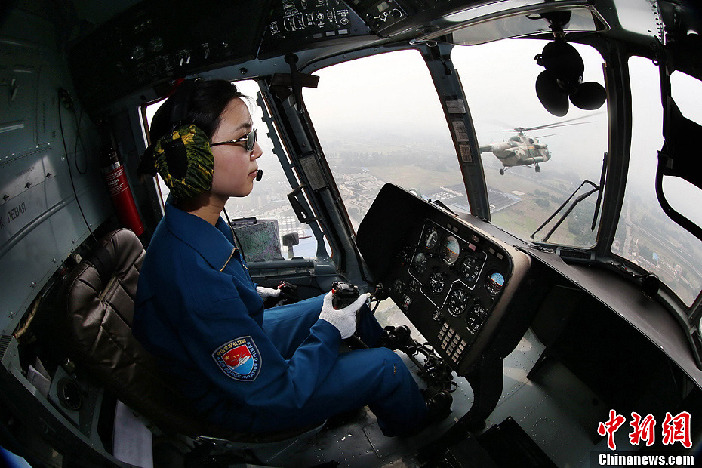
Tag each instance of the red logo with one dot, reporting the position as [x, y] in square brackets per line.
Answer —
[675, 429]
[239, 359]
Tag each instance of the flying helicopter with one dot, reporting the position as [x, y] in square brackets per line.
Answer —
[523, 150]
[519, 150]
[547, 344]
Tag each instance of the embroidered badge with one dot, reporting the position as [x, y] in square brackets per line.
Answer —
[239, 359]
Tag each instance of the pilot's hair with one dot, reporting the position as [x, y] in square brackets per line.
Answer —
[205, 101]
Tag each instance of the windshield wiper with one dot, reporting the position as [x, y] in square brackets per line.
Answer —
[596, 188]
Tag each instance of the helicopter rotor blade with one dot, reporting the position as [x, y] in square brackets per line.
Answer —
[562, 123]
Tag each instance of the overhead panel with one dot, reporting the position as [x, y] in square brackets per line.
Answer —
[381, 15]
[157, 40]
[394, 17]
[297, 24]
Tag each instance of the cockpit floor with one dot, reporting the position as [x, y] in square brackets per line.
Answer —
[557, 411]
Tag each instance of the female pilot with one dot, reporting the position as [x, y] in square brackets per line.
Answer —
[243, 367]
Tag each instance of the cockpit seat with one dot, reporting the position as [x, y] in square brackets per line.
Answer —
[100, 310]
[100, 307]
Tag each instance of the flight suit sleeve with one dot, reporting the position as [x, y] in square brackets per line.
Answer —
[240, 359]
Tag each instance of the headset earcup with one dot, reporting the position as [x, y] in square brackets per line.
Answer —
[185, 161]
[176, 156]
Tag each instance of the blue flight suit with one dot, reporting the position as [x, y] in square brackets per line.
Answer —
[252, 370]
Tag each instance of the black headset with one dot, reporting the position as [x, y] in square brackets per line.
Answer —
[176, 156]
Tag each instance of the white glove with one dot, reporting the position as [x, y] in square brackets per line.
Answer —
[265, 293]
[343, 319]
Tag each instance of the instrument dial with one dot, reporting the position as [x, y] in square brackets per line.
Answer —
[476, 316]
[457, 302]
[419, 262]
[437, 281]
[495, 282]
[451, 250]
[472, 267]
[432, 239]
[405, 255]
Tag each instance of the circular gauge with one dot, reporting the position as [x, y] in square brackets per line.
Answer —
[471, 268]
[457, 302]
[398, 286]
[452, 250]
[478, 309]
[476, 317]
[419, 262]
[432, 239]
[405, 256]
[495, 283]
[436, 282]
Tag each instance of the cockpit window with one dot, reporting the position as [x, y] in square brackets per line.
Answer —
[645, 234]
[533, 160]
[379, 121]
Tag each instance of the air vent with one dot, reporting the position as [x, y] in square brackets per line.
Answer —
[567, 254]
[4, 343]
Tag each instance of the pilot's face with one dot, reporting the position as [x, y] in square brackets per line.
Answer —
[234, 167]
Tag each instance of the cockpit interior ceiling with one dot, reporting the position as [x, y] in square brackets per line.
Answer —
[154, 41]
[157, 40]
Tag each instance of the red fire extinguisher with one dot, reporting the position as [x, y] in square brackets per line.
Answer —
[118, 185]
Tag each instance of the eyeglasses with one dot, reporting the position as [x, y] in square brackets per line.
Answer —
[249, 141]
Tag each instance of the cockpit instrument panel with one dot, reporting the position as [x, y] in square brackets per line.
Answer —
[297, 22]
[453, 281]
[455, 273]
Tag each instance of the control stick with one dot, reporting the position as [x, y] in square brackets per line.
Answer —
[343, 294]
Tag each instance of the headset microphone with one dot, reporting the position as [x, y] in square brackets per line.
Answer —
[259, 174]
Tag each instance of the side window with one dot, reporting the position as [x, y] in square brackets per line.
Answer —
[645, 234]
[384, 124]
[268, 200]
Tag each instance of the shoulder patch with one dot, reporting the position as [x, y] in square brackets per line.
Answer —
[239, 359]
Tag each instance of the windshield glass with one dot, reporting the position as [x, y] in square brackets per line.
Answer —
[533, 159]
[389, 128]
[645, 234]
[394, 130]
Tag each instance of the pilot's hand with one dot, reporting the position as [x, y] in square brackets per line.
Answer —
[265, 293]
[343, 319]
